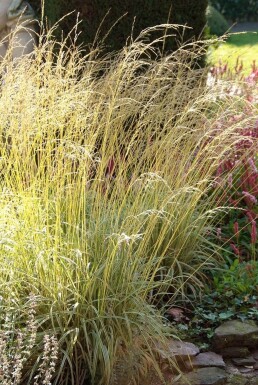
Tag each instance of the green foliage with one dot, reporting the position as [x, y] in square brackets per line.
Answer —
[239, 50]
[231, 294]
[191, 13]
[237, 10]
[126, 18]
[53, 9]
[115, 22]
[237, 278]
[217, 24]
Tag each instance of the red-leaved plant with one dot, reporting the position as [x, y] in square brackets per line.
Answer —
[237, 177]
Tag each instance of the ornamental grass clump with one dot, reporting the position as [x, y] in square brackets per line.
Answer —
[107, 170]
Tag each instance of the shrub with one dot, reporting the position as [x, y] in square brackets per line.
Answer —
[216, 22]
[237, 10]
[116, 22]
[193, 14]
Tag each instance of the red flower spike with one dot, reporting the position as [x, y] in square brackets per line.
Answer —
[235, 249]
[236, 229]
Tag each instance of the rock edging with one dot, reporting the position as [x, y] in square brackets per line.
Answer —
[234, 362]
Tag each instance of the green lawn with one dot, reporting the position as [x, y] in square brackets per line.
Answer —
[241, 45]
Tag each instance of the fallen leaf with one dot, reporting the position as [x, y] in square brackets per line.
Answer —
[177, 314]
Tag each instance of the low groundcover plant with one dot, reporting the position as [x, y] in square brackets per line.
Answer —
[18, 343]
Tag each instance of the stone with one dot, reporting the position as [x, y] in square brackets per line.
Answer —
[208, 359]
[236, 333]
[247, 361]
[17, 28]
[253, 381]
[231, 369]
[179, 350]
[255, 355]
[234, 352]
[245, 370]
[205, 376]
[237, 379]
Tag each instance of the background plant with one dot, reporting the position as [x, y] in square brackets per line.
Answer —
[217, 24]
[231, 291]
[237, 10]
[231, 294]
[237, 176]
[114, 23]
[238, 53]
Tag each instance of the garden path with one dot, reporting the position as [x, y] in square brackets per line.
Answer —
[245, 27]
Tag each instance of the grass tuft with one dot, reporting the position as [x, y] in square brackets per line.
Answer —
[107, 169]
